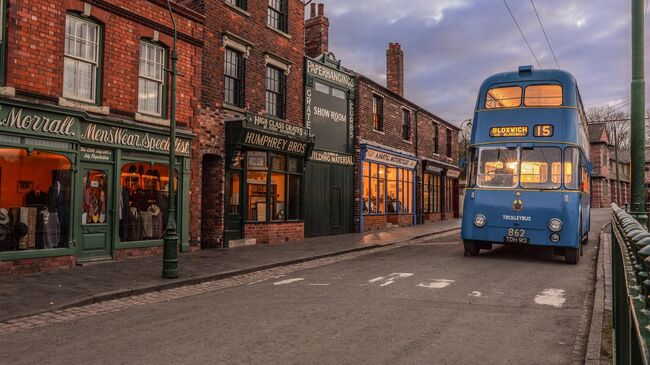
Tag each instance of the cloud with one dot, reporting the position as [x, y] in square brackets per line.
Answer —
[451, 46]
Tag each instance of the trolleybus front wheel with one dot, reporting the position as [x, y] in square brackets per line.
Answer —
[572, 255]
[472, 248]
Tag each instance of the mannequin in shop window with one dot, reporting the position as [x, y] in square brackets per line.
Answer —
[36, 198]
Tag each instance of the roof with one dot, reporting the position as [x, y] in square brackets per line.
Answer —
[596, 133]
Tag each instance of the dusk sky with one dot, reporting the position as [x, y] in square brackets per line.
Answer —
[451, 46]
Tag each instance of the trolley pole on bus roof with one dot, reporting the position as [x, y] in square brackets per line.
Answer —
[637, 148]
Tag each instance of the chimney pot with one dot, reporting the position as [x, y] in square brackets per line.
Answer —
[316, 32]
[312, 12]
[321, 9]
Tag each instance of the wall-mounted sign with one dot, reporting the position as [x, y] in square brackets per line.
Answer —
[433, 169]
[327, 73]
[96, 154]
[332, 157]
[513, 131]
[275, 125]
[453, 173]
[388, 158]
[259, 139]
[117, 136]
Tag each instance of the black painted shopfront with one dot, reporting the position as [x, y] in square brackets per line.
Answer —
[72, 184]
[264, 174]
[329, 177]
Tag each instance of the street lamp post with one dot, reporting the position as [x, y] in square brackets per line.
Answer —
[170, 254]
[637, 147]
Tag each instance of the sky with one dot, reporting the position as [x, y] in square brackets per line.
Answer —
[451, 46]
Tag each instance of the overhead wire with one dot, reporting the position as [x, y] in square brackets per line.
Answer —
[522, 34]
[544, 31]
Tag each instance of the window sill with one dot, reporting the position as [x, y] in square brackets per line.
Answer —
[7, 91]
[267, 115]
[286, 35]
[234, 108]
[97, 109]
[379, 132]
[237, 9]
[407, 141]
[151, 119]
[437, 155]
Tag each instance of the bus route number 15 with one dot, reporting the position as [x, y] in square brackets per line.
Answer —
[543, 130]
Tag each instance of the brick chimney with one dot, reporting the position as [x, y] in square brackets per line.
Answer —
[395, 68]
[316, 32]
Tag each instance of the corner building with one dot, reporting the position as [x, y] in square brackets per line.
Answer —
[252, 146]
[84, 129]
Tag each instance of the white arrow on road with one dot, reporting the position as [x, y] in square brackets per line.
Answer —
[390, 278]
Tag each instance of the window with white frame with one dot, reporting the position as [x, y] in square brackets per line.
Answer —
[81, 59]
[275, 91]
[152, 79]
[277, 14]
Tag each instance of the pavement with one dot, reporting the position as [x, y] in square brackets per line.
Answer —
[28, 295]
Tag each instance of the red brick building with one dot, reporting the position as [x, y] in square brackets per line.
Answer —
[248, 162]
[406, 156]
[84, 134]
[607, 184]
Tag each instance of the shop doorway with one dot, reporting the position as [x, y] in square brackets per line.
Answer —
[96, 211]
[233, 207]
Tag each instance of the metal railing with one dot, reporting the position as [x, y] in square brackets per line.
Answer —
[630, 289]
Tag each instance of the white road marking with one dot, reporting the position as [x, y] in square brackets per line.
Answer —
[436, 284]
[475, 294]
[390, 279]
[288, 281]
[552, 297]
[317, 284]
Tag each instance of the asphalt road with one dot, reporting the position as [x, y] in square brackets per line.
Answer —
[422, 303]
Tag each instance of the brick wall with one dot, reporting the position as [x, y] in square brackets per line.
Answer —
[275, 232]
[432, 217]
[30, 266]
[372, 222]
[137, 252]
[400, 219]
[35, 39]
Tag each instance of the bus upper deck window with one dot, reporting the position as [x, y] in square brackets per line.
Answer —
[503, 97]
[543, 95]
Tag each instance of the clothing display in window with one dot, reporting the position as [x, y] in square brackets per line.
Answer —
[51, 232]
[133, 227]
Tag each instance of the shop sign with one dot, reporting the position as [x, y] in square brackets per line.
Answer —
[332, 157]
[277, 126]
[453, 173]
[329, 74]
[26, 120]
[258, 139]
[96, 154]
[117, 136]
[384, 157]
[326, 115]
[433, 169]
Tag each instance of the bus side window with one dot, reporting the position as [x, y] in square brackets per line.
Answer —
[571, 168]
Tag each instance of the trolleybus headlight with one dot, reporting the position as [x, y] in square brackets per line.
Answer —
[555, 238]
[479, 220]
[555, 225]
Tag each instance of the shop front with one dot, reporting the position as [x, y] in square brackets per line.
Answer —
[440, 191]
[387, 188]
[264, 180]
[75, 188]
[452, 194]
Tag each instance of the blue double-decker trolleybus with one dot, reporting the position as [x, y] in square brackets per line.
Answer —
[528, 165]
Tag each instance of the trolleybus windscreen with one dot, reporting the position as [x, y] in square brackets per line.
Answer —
[498, 167]
[541, 168]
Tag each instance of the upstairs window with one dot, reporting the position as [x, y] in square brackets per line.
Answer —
[436, 145]
[238, 3]
[81, 64]
[503, 97]
[543, 95]
[406, 124]
[152, 79]
[377, 113]
[449, 142]
[234, 77]
[275, 92]
[277, 15]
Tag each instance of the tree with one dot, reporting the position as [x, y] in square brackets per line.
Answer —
[614, 119]
[464, 136]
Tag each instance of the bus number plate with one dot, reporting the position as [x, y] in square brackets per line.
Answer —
[516, 235]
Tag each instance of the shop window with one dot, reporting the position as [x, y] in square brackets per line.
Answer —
[431, 193]
[273, 187]
[93, 208]
[275, 91]
[277, 15]
[449, 195]
[143, 201]
[152, 79]
[234, 77]
[393, 202]
[386, 190]
[35, 189]
[426, 193]
[81, 64]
